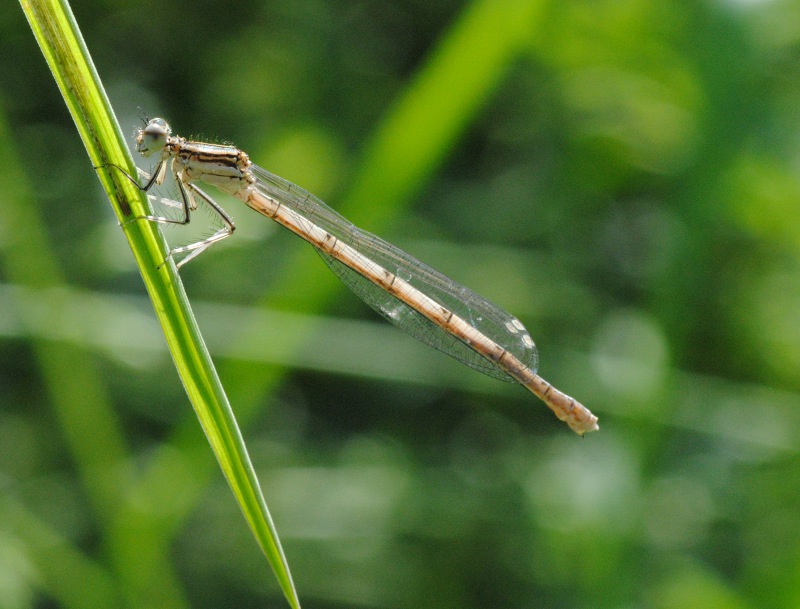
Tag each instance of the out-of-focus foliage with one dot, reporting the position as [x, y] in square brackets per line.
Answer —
[626, 182]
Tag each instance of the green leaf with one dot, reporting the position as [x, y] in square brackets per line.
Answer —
[68, 58]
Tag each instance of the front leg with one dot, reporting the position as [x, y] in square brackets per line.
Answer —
[157, 178]
[187, 202]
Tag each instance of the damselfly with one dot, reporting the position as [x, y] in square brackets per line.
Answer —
[431, 307]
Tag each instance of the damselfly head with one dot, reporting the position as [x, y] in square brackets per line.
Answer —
[153, 137]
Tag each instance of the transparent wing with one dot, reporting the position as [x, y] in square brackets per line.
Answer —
[489, 319]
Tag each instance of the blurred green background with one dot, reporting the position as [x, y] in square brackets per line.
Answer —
[621, 175]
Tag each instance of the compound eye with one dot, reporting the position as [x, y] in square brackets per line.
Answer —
[160, 123]
[153, 137]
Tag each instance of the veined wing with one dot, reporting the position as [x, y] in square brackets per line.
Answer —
[487, 318]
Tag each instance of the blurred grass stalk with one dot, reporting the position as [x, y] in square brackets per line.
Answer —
[76, 392]
[61, 43]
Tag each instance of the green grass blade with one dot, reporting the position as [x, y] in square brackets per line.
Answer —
[413, 139]
[68, 576]
[62, 45]
[443, 99]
